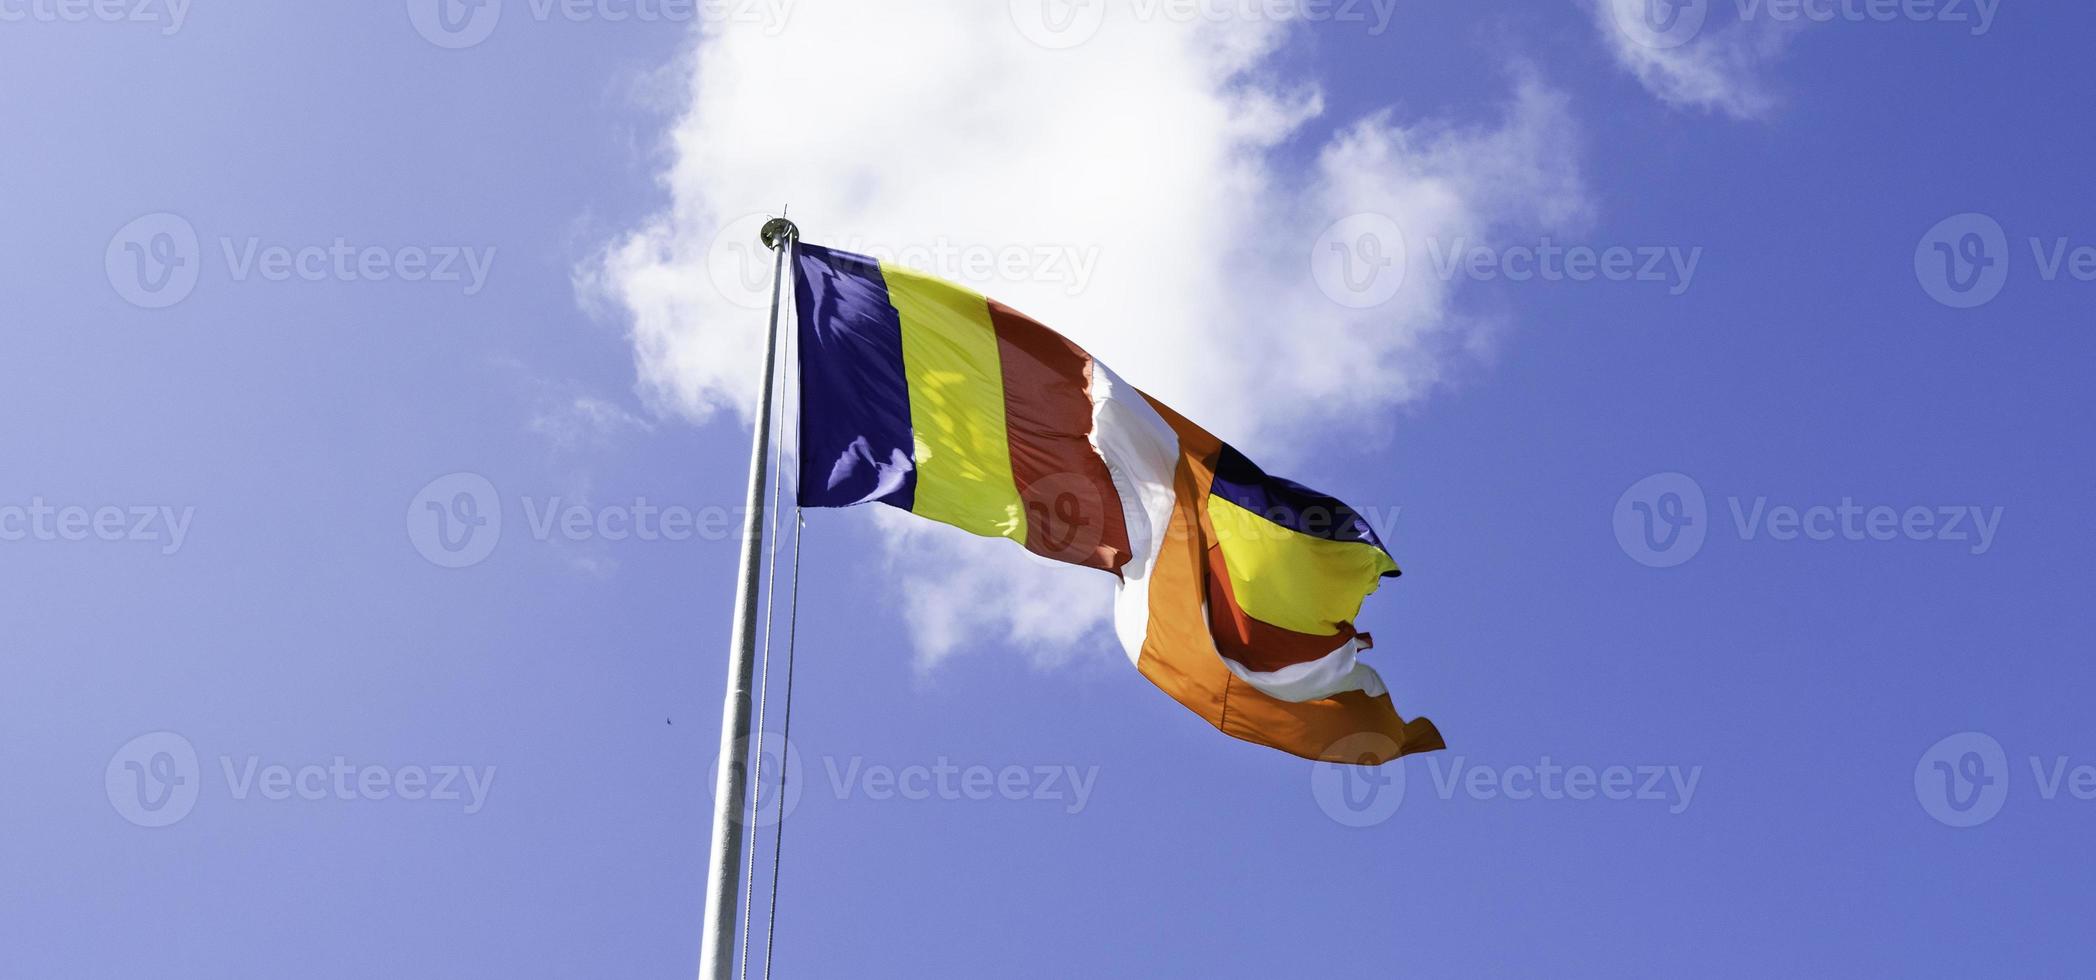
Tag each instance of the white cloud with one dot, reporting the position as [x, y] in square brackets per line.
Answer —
[584, 421]
[1689, 62]
[960, 592]
[1148, 188]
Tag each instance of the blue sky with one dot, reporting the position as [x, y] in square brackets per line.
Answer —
[219, 563]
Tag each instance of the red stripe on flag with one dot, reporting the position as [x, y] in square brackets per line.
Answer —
[1259, 646]
[1073, 512]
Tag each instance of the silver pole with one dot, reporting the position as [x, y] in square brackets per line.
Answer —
[723, 876]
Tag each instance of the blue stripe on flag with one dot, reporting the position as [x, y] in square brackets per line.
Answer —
[855, 399]
[1287, 503]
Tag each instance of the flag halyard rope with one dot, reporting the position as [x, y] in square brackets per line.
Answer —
[786, 401]
[793, 604]
[763, 669]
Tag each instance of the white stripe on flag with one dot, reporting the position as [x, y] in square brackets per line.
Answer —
[1142, 455]
[1333, 673]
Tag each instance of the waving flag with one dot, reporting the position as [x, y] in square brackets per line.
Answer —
[1238, 590]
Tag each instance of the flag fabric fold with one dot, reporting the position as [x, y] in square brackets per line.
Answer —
[1238, 590]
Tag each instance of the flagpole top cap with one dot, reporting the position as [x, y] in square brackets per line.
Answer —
[778, 231]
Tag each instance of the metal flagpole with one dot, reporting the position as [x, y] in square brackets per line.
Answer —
[731, 786]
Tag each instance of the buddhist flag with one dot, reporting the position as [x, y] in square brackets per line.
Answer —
[1238, 590]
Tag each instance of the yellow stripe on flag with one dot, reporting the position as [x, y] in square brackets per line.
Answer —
[1292, 580]
[956, 380]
